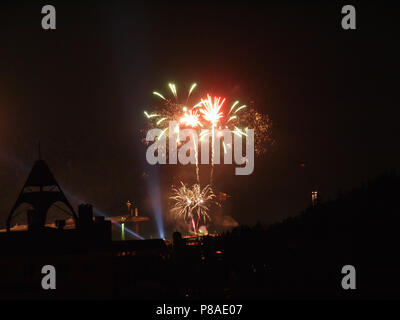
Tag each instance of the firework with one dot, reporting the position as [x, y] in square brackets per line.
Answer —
[208, 117]
[192, 204]
[173, 109]
[212, 109]
[237, 120]
[211, 114]
[262, 125]
[191, 118]
[218, 119]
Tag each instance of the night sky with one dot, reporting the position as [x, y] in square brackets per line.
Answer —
[81, 90]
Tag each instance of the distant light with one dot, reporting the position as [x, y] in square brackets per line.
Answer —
[314, 197]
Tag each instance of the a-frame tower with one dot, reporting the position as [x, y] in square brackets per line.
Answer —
[41, 191]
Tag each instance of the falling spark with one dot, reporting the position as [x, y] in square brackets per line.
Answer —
[162, 133]
[242, 107]
[159, 94]
[161, 120]
[231, 118]
[173, 90]
[233, 106]
[150, 115]
[192, 88]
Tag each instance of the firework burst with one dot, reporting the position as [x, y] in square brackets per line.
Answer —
[191, 118]
[237, 119]
[173, 109]
[212, 109]
[208, 116]
[192, 204]
[196, 114]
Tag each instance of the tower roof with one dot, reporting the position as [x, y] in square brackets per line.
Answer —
[40, 176]
[41, 198]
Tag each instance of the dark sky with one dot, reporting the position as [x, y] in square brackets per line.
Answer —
[81, 90]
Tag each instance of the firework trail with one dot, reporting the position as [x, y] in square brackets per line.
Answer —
[191, 118]
[212, 113]
[196, 154]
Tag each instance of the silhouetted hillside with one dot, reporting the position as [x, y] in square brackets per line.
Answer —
[303, 256]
